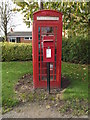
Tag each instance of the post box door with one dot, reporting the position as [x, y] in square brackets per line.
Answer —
[48, 49]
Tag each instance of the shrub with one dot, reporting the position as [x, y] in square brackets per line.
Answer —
[16, 51]
[75, 50]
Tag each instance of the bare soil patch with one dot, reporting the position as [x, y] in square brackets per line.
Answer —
[26, 83]
[24, 90]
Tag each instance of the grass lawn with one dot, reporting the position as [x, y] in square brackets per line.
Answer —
[78, 75]
[12, 71]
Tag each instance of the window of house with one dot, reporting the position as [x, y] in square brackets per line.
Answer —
[28, 38]
[31, 38]
[12, 39]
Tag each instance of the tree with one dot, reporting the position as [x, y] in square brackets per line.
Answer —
[75, 14]
[6, 17]
[27, 8]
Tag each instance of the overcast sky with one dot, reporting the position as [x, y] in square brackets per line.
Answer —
[17, 20]
[20, 25]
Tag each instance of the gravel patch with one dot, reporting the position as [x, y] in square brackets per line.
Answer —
[34, 110]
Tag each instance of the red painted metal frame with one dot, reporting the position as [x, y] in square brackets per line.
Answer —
[55, 23]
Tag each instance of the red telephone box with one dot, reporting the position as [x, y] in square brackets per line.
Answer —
[47, 44]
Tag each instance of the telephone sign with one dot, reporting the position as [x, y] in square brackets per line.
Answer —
[47, 18]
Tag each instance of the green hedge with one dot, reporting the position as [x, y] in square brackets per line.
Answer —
[16, 51]
[75, 50]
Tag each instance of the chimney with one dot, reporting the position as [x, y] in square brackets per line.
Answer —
[11, 30]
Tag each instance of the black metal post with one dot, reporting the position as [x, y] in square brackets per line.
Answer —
[48, 77]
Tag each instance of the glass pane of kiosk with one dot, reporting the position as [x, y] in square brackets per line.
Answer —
[44, 31]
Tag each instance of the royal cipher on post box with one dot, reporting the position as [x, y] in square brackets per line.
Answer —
[46, 47]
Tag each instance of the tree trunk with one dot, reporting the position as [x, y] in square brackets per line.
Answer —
[6, 36]
[5, 29]
[41, 4]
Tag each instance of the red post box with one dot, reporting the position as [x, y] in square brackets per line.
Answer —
[46, 47]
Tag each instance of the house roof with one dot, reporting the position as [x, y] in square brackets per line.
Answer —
[19, 34]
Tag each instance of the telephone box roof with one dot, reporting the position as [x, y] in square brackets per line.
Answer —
[41, 11]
